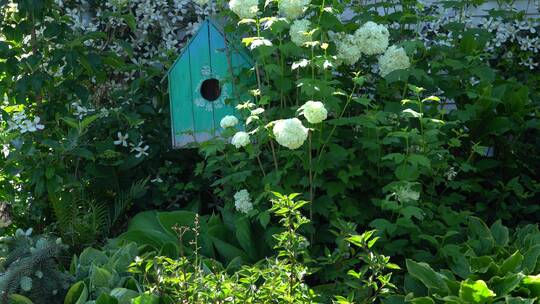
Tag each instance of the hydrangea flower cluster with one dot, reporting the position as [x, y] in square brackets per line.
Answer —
[393, 59]
[24, 124]
[372, 38]
[244, 9]
[299, 30]
[240, 139]
[242, 201]
[228, 121]
[314, 111]
[348, 51]
[290, 133]
[292, 9]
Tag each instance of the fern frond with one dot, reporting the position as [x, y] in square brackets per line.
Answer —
[124, 201]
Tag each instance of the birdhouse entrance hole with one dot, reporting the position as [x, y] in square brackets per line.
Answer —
[210, 89]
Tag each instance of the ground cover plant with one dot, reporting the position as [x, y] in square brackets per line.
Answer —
[408, 130]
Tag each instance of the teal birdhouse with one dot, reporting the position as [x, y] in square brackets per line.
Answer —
[200, 84]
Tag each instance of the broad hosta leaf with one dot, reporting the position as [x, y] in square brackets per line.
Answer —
[475, 292]
[503, 286]
[100, 277]
[77, 294]
[511, 264]
[145, 299]
[431, 279]
[500, 233]
[422, 300]
[518, 300]
[123, 295]
[243, 235]
[19, 299]
[533, 284]
[530, 259]
[106, 299]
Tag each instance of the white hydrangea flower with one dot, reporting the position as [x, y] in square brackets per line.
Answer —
[406, 194]
[299, 30]
[228, 121]
[290, 133]
[242, 201]
[292, 9]
[372, 38]
[393, 59]
[314, 111]
[348, 51]
[245, 9]
[240, 139]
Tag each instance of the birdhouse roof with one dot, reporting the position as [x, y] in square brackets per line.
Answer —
[211, 22]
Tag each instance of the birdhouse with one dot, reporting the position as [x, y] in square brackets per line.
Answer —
[200, 83]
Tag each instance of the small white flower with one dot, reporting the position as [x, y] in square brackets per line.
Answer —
[290, 133]
[393, 59]
[292, 9]
[122, 139]
[314, 111]
[372, 38]
[228, 121]
[5, 150]
[242, 201]
[141, 151]
[157, 180]
[37, 125]
[299, 31]
[240, 139]
[451, 174]
[245, 9]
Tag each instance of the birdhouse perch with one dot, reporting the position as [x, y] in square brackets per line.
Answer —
[199, 84]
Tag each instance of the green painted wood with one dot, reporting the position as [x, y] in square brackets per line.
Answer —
[200, 70]
[220, 68]
[181, 106]
[206, 56]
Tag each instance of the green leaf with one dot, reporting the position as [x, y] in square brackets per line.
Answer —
[264, 218]
[145, 299]
[431, 279]
[92, 256]
[77, 294]
[243, 235]
[503, 286]
[123, 295]
[475, 292]
[407, 172]
[228, 251]
[500, 233]
[530, 259]
[511, 264]
[19, 299]
[100, 277]
[518, 300]
[87, 121]
[422, 300]
[106, 299]
[533, 284]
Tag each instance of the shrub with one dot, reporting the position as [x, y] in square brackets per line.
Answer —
[30, 268]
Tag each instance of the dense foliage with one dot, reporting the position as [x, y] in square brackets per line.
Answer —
[411, 128]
